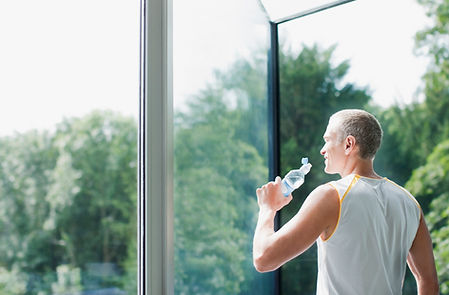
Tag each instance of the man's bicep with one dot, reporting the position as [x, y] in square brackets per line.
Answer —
[318, 212]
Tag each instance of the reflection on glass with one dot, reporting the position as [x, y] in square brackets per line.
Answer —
[220, 145]
[68, 149]
[326, 68]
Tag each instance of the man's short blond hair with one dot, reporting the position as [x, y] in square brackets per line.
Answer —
[363, 126]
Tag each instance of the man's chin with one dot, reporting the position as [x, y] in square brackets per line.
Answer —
[329, 171]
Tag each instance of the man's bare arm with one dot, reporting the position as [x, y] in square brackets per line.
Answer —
[421, 261]
[318, 215]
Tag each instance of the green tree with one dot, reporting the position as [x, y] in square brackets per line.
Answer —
[68, 201]
[220, 158]
[433, 41]
[98, 210]
[430, 184]
[405, 143]
[27, 246]
[412, 131]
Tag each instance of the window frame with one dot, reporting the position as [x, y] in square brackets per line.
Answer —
[305, 12]
[155, 150]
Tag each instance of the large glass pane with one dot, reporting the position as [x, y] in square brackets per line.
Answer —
[69, 105]
[353, 56]
[220, 97]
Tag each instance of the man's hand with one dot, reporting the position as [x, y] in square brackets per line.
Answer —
[270, 196]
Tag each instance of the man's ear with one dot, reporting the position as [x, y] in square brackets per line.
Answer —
[349, 144]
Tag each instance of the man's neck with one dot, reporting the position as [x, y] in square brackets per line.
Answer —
[362, 167]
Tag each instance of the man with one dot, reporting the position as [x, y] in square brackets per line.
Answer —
[367, 228]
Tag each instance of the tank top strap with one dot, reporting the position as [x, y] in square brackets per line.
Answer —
[344, 185]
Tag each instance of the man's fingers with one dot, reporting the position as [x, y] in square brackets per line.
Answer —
[269, 185]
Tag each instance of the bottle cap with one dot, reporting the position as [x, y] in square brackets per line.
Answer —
[304, 161]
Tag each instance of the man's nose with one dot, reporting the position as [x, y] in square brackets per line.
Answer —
[322, 151]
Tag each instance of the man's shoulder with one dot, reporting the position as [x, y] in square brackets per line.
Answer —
[325, 191]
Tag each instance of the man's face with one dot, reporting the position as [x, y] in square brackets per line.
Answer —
[333, 149]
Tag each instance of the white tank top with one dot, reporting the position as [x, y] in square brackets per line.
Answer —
[368, 250]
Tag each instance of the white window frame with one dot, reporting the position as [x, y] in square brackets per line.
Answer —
[155, 172]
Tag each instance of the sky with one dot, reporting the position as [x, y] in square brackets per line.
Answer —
[377, 37]
[63, 58]
[60, 59]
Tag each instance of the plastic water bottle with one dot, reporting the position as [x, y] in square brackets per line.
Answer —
[295, 178]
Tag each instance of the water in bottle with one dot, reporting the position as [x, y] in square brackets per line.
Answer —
[295, 178]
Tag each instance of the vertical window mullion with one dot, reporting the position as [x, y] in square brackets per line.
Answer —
[156, 150]
[273, 124]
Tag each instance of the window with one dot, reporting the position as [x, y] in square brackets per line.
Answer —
[220, 144]
[68, 147]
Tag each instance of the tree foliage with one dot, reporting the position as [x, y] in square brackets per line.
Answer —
[430, 183]
[220, 157]
[67, 205]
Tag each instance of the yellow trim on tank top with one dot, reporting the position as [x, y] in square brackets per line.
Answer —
[354, 180]
[371, 177]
